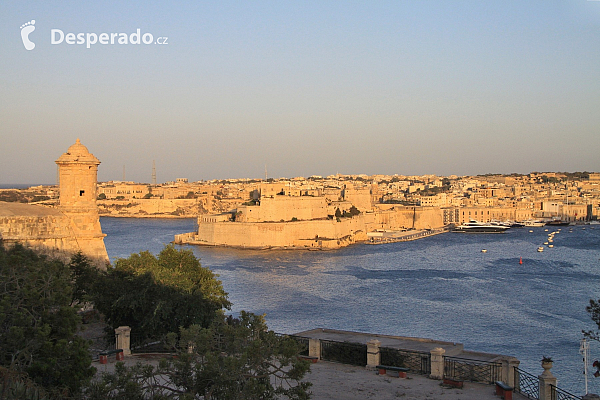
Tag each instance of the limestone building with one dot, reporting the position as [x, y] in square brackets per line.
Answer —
[72, 226]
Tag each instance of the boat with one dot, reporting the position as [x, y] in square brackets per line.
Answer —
[540, 249]
[532, 222]
[557, 222]
[480, 227]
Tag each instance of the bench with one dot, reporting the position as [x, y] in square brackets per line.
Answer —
[104, 355]
[503, 390]
[312, 359]
[457, 383]
[383, 369]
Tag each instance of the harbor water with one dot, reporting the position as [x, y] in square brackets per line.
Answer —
[441, 287]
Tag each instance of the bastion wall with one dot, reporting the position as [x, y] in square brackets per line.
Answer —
[299, 234]
[325, 233]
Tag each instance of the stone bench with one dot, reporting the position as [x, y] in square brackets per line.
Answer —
[503, 390]
[457, 383]
[104, 355]
[383, 369]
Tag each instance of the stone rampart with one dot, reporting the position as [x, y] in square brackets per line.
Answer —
[326, 234]
[149, 207]
[284, 208]
[317, 234]
[402, 217]
[52, 232]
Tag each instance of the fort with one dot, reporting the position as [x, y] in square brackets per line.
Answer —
[73, 226]
[327, 221]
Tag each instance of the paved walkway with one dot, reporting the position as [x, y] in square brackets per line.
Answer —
[333, 381]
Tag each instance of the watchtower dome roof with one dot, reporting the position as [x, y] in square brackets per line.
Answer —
[78, 153]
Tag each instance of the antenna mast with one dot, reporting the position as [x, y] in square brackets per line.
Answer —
[153, 173]
[266, 176]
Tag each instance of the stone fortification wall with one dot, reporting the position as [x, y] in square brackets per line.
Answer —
[325, 233]
[300, 234]
[52, 232]
[74, 226]
[401, 217]
[360, 198]
[286, 208]
[149, 207]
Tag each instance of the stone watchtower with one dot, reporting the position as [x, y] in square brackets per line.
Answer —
[78, 172]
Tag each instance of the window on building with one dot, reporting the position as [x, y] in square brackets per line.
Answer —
[81, 192]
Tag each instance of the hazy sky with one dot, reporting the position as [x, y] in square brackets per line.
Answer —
[307, 88]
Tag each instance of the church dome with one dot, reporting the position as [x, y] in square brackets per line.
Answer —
[78, 153]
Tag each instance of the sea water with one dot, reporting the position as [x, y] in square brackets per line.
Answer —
[441, 287]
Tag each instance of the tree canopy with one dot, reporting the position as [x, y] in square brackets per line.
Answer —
[157, 295]
[169, 296]
[37, 323]
[233, 359]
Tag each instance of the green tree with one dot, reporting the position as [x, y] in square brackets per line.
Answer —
[594, 310]
[157, 295]
[233, 359]
[83, 277]
[37, 323]
[338, 213]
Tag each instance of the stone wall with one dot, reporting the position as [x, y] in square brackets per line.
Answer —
[323, 233]
[149, 207]
[300, 234]
[286, 208]
[52, 232]
[401, 217]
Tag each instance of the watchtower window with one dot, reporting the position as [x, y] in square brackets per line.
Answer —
[81, 192]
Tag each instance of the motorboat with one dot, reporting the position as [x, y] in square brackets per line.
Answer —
[532, 222]
[557, 222]
[480, 227]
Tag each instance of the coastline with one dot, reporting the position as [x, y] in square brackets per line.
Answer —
[406, 236]
[155, 216]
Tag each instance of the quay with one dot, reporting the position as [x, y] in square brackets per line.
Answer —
[403, 236]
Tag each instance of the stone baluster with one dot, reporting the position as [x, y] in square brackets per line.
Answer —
[373, 355]
[546, 381]
[314, 348]
[437, 363]
[123, 336]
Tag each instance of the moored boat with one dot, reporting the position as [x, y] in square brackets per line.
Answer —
[532, 222]
[557, 222]
[480, 227]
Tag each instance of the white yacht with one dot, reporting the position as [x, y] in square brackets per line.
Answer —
[532, 222]
[480, 227]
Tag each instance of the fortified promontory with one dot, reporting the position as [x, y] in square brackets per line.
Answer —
[71, 227]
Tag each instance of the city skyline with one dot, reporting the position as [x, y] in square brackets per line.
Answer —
[309, 88]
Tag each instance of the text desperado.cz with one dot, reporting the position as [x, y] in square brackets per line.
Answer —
[57, 37]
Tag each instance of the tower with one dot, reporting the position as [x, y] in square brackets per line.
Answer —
[78, 175]
[77, 178]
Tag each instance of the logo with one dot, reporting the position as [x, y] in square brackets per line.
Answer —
[26, 29]
[89, 39]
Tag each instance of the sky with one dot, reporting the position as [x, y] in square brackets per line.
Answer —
[304, 88]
